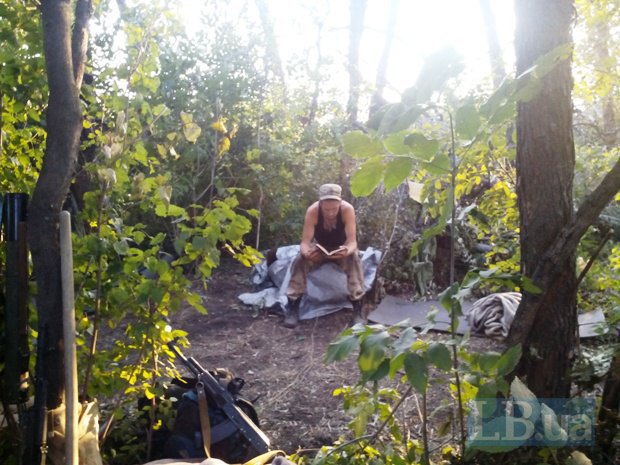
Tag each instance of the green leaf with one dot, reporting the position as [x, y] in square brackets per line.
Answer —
[121, 247]
[445, 298]
[439, 355]
[341, 348]
[417, 372]
[505, 112]
[439, 165]
[528, 286]
[367, 177]
[395, 143]
[423, 148]
[488, 361]
[509, 359]
[397, 171]
[192, 132]
[467, 121]
[361, 145]
[372, 351]
[405, 340]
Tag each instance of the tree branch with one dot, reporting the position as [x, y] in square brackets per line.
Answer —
[551, 265]
[79, 39]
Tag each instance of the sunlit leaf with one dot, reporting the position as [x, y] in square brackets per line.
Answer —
[192, 132]
[467, 121]
[367, 177]
[372, 351]
[219, 125]
[397, 171]
[395, 143]
[421, 147]
[358, 144]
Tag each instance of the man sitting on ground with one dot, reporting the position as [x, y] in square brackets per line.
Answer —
[330, 223]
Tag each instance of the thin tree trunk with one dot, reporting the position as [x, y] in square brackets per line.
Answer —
[498, 70]
[316, 77]
[64, 125]
[357, 11]
[545, 170]
[377, 100]
[273, 54]
[602, 60]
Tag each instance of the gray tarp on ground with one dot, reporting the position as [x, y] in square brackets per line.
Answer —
[327, 284]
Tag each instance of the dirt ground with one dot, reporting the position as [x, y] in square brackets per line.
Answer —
[284, 369]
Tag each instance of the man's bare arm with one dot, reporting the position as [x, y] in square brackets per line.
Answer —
[307, 248]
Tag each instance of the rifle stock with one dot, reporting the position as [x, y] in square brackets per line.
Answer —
[225, 401]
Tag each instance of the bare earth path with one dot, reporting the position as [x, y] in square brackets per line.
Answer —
[283, 368]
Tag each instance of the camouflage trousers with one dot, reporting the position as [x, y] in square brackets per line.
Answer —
[351, 265]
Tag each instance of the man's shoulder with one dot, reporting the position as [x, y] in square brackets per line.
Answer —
[313, 207]
[346, 207]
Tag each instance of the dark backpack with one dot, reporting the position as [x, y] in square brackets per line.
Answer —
[185, 439]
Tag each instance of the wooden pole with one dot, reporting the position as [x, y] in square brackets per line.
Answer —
[68, 311]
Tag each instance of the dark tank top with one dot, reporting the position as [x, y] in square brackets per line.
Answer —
[330, 239]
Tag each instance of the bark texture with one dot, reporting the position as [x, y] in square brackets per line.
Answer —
[64, 125]
[545, 170]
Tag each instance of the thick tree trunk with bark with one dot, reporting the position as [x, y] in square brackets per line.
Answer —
[545, 170]
[64, 125]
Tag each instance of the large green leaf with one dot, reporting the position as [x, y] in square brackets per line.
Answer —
[341, 348]
[417, 372]
[423, 148]
[399, 117]
[367, 177]
[395, 143]
[509, 360]
[467, 121]
[439, 355]
[372, 351]
[397, 171]
[361, 145]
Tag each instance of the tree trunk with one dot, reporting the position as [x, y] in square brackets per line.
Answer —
[601, 37]
[274, 63]
[377, 100]
[357, 10]
[64, 125]
[495, 51]
[315, 74]
[545, 170]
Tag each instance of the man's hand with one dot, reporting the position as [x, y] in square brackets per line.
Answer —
[340, 254]
[313, 254]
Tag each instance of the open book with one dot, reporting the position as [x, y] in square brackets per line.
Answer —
[327, 252]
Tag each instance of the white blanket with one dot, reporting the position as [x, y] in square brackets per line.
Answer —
[492, 315]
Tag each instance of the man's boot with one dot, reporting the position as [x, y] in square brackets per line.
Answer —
[357, 313]
[291, 318]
